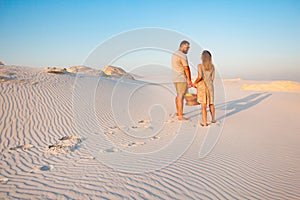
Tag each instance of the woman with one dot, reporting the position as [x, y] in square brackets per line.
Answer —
[205, 87]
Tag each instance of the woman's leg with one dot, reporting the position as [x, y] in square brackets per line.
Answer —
[204, 114]
[212, 112]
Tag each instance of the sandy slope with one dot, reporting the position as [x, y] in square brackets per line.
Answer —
[66, 136]
[274, 86]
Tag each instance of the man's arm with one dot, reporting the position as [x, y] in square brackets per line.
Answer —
[188, 75]
[186, 68]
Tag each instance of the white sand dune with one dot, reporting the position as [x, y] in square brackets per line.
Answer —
[85, 70]
[116, 71]
[66, 136]
[274, 86]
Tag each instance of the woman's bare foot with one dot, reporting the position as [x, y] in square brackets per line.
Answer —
[213, 121]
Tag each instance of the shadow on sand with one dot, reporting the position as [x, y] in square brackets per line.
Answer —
[236, 106]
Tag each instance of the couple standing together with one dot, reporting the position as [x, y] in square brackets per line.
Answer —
[181, 76]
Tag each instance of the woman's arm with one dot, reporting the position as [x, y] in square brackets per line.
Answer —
[199, 77]
[213, 74]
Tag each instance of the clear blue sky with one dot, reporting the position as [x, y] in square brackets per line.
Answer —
[248, 39]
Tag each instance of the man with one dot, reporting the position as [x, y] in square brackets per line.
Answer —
[181, 76]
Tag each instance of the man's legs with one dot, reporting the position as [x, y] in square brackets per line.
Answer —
[181, 89]
[180, 106]
[176, 103]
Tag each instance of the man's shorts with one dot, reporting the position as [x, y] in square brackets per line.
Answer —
[180, 87]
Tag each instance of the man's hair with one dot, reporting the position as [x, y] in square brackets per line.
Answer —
[184, 42]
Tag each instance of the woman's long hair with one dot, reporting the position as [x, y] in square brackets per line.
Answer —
[206, 60]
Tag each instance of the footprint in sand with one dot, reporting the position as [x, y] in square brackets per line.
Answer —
[133, 144]
[217, 123]
[3, 180]
[109, 132]
[172, 115]
[110, 150]
[22, 147]
[71, 137]
[155, 138]
[87, 157]
[52, 146]
[34, 83]
[113, 127]
[66, 144]
[46, 167]
[169, 121]
[144, 121]
[122, 128]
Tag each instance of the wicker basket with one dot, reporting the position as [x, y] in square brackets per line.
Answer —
[191, 99]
